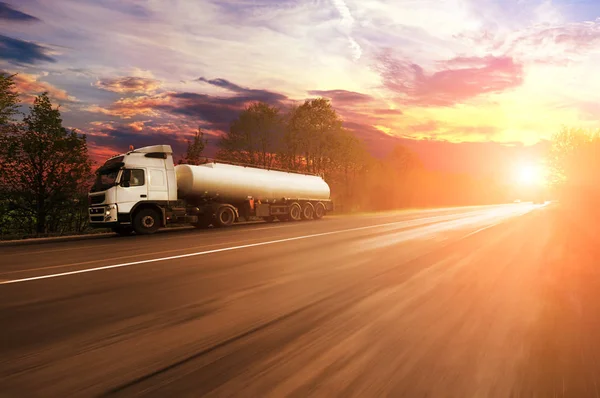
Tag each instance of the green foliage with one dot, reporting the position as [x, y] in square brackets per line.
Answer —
[45, 171]
[195, 148]
[574, 157]
[574, 161]
[313, 132]
[9, 98]
[254, 137]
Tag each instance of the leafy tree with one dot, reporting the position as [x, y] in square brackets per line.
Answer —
[195, 148]
[349, 161]
[47, 167]
[9, 98]
[254, 137]
[574, 161]
[311, 135]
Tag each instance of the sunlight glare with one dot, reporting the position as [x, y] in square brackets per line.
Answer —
[531, 175]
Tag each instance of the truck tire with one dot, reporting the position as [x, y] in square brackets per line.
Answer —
[295, 212]
[123, 231]
[225, 217]
[308, 211]
[319, 211]
[146, 221]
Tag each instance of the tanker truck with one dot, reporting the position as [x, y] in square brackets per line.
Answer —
[142, 190]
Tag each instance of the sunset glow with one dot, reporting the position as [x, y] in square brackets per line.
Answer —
[531, 174]
[458, 82]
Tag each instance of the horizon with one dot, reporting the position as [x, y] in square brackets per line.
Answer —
[475, 95]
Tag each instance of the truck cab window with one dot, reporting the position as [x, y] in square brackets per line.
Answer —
[135, 177]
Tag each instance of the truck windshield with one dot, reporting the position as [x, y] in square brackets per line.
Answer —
[105, 180]
[106, 176]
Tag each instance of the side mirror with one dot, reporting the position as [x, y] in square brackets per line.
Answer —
[125, 184]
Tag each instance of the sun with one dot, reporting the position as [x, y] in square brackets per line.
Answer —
[531, 174]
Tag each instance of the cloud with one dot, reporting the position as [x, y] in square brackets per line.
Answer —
[217, 112]
[126, 108]
[30, 85]
[347, 26]
[573, 38]
[129, 84]
[342, 96]
[108, 138]
[459, 79]
[10, 14]
[134, 8]
[118, 137]
[22, 52]
[391, 112]
[245, 94]
[210, 111]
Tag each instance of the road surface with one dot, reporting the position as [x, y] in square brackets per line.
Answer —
[492, 301]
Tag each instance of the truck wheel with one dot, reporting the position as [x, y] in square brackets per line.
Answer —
[225, 217]
[123, 231]
[319, 211]
[308, 211]
[146, 222]
[295, 212]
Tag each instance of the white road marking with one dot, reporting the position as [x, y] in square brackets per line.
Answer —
[225, 249]
[482, 229]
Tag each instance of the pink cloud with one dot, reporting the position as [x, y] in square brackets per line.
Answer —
[127, 108]
[29, 86]
[128, 84]
[459, 79]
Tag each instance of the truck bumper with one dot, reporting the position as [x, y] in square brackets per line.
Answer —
[104, 216]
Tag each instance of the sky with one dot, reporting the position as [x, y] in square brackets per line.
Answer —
[467, 84]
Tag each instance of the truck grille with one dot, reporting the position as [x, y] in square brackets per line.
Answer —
[97, 199]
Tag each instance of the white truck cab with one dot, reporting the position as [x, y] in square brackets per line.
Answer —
[143, 177]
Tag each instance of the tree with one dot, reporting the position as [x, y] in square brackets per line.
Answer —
[9, 98]
[349, 159]
[48, 167]
[311, 135]
[254, 137]
[195, 148]
[574, 161]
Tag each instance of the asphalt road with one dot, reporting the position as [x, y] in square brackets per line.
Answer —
[492, 301]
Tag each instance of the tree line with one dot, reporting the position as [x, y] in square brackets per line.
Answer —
[46, 171]
[45, 168]
[574, 161]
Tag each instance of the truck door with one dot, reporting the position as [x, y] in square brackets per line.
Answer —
[132, 189]
[157, 185]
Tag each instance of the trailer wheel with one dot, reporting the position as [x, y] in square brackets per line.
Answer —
[295, 212]
[146, 221]
[308, 211]
[319, 211]
[225, 217]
